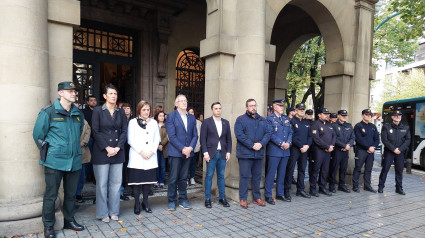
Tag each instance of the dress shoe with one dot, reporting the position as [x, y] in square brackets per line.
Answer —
[79, 199]
[136, 209]
[356, 189]
[325, 191]
[288, 196]
[314, 193]
[259, 202]
[370, 189]
[282, 198]
[303, 194]
[332, 189]
[270, 201]
[146, 208]
[208, 203]
[400, 191]
[344, 189]
[243, 204]
[72, 225]
[49, 232]
[224, 202]
[124, 198]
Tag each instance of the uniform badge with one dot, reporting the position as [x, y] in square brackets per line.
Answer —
[314, 131]
[286, 121]
[391, 130]
[339, 128]
[275, 129]
[296, 125]
[321, 128]
[363, 130]
[78, 118]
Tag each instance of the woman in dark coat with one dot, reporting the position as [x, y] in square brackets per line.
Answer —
[109, 125]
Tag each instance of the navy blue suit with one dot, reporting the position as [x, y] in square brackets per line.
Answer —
[277, 158]
[250, 130]
[301, 137]
[179, 138]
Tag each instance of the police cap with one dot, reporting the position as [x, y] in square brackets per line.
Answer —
[324, 110]
[66, 85]
[333, 115]
[396, 113]
[343, 112]
[309, 112]
[289, 109]
[366, 111]
[300, 106]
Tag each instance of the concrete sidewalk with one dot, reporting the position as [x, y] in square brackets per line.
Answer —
[361, 214]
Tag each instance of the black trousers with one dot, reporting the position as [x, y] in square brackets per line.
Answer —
[389, 157]
[320, 168]
[301, 160]
[340, 160]
[53, 180]
[365, 158]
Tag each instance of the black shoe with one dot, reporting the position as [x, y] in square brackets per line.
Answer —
[380, 190]
[400, 191]
[79, 199]
[288, 196]
[94, 201]
[303, 194]
[72, 225]
[356, 189]
[49, 232]
[270, 201]
[325, 191]
[147, 209]
[332, 189]
[124, 198]
[224, 202]
[282, 198]
[314, 193]
[208, 203]
[370, 189]
[136, 209]
[344, 189]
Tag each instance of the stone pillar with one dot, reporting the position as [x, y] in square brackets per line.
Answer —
[235, 56]
[24, 87]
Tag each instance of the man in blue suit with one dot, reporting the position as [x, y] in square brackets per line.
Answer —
[277, 151]
[182, 135]
[252, 133]
[216, 143]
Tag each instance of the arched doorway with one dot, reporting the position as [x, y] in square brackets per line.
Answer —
[190, 78]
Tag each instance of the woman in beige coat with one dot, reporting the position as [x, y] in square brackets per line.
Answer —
[86, 157]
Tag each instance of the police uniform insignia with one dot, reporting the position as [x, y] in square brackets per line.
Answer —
[72, 85]
[339, 128]
[391, 130]
[296, 125]
[78, 118]
[321, 128]
[286, 121]
[314, 131]
[275, 129]
[363, 130]
[275, 122]
[403, 130]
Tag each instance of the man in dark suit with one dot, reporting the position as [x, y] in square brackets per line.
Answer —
[182, 135]
[216, 142]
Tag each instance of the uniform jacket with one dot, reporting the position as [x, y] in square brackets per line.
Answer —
[394, 136]
[210, 138]
[344, 134]
[281, 132]
[250, 130]
[164, 140]
[302, 132]
[85, 137]
[178, 137]
[366, 135]
[323, 134]
[62, 130]
[108, 131]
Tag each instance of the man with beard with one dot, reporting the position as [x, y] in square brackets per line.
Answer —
[396, 138]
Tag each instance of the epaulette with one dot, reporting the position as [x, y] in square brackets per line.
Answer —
[46, 107]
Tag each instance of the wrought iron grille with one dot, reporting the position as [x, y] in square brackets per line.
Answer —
[190, 79]
[92, 40]
[83, 79]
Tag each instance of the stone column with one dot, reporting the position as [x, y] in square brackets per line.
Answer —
[24, 87]
[235, 65]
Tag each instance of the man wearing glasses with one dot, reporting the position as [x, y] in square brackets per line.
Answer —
[367, 139]
[396, 138]
[344, 141]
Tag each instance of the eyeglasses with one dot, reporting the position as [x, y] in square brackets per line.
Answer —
[252, 105]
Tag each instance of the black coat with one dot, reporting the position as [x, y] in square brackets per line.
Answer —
[108, 131]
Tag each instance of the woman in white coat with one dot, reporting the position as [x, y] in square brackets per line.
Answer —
[143, 138]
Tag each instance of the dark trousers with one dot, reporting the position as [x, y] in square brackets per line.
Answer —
[275, 164]
[340, 160]
[365, 158]
[179, 167]
[320, 168]
[389, 157]
[53, 180]
[301, 160]
[193, 163]
[248, 167]
[292, 161]
[160, 172]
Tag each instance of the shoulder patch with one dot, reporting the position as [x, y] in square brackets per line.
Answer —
[314, 131]
[46, 107]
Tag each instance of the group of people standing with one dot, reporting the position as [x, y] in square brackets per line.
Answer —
[286, 142]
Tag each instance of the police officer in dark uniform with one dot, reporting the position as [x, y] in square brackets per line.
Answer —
[333, 118]
[396, 138]
[277, 151]
[367, 139]
[301, 142]
[309, 117]
[323, 144]
[344, 141]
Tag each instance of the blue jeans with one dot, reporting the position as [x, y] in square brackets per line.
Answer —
[82, 179]
[160, 172]
[179, 166]
[108, 183]
[192, 168]
[246, 168]
[220, 163]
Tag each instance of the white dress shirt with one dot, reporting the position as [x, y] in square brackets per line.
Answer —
[219, 126]
[184, 118]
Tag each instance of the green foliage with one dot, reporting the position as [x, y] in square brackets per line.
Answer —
[389, 42]
[304, 73]
[413, 15]
[400, 86]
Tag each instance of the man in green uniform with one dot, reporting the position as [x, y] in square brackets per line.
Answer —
[59, 127]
